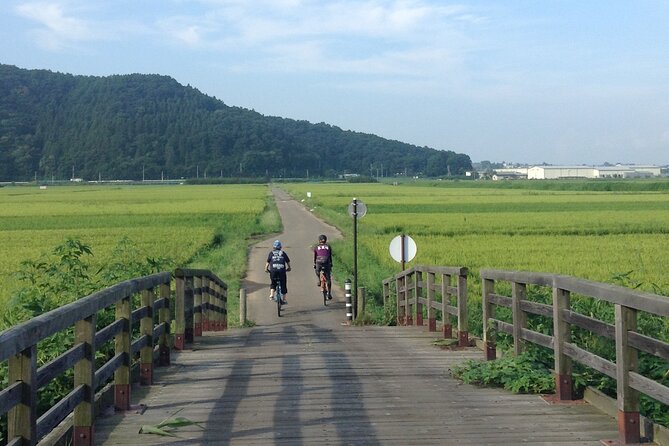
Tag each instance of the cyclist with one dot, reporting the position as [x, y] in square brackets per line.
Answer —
[277, 264]
[323, 261]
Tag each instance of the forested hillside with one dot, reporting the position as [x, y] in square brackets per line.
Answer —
[136, 126]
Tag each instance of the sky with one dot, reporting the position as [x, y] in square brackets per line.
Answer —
[518, 81]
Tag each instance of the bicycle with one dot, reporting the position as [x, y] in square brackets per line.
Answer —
[278, 297]
[324, 285]
[278, 294]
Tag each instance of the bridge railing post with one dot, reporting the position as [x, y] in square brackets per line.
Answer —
[216, 302]
[386, 292]
[518, 294]
[401, 308]
[146, 329]
[629, 430]
[197, 306]
[208, 303]
[489, 339]
[84, 375]
[164, 318]
[224, 307]
[418, 296]
[562, 336]
[122, 344]
[431, 317]
[180, 313]
[22, 418]
[463, 321]
[447, 326]
[189, 310]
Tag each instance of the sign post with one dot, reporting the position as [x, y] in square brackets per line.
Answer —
[403, 249]
[356, 209]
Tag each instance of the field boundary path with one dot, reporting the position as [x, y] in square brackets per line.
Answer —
[305, 378]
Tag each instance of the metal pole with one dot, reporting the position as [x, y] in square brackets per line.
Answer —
[402, 253]
[355, 258]
[349, 304]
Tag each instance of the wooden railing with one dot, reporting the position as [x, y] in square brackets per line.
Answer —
[201, 304]
[628, 341]
[438, 288]
[149, 324]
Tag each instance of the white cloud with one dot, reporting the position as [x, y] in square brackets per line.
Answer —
[70, 23]
[415, 38]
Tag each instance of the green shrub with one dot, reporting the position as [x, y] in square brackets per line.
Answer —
[519, 374]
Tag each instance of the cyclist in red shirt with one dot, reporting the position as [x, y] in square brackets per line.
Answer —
[323, 261]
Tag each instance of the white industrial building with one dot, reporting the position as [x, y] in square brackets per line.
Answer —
[557, 172]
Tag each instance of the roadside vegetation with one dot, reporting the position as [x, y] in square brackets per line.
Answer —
[177, 222]
[61, 244]
[606, 231]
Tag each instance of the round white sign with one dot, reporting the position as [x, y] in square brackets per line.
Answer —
[360, 207]
[409, 248]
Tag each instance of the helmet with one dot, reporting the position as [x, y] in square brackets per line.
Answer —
[322, 238]
[277, 244]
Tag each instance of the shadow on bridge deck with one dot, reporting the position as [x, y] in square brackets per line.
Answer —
[301, 383]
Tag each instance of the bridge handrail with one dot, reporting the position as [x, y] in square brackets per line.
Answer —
[628, 341]
[19, 347]
[201, 304]
[443, 285]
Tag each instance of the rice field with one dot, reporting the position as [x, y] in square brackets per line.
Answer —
[173, 221]
[587, 234]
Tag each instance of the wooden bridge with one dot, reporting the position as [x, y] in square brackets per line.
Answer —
[308, 377]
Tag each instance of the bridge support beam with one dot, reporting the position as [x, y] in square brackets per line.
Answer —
[629, 429]
[463, 338]
[83, 436]
[448, 330]
[122, 397]
[564, 387]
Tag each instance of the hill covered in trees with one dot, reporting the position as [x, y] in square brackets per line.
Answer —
[55, 125]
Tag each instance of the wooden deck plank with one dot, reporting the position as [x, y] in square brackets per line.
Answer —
[247, 388]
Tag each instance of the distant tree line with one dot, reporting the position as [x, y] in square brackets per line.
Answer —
[135, 127]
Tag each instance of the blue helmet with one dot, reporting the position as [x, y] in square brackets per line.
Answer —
[277, 244]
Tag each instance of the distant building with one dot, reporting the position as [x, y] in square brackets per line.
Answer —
[555, 172]
[509, 173]
[620, 172]
[545, 172]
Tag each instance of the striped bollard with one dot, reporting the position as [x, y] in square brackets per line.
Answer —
[349, 301]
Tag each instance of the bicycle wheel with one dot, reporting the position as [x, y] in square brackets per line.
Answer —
[279, 298]
[324, 288]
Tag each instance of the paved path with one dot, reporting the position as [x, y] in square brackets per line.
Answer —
[305, 301]
[305, 379]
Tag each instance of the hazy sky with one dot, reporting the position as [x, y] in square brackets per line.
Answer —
[556, 81]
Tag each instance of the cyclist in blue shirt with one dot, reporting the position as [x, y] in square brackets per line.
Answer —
[277, 264]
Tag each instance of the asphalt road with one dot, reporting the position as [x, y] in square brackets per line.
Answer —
[305, 301]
